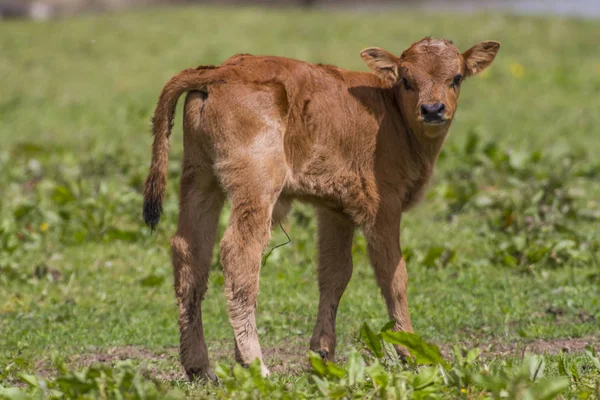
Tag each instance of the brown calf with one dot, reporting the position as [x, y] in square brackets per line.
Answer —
[261, 131]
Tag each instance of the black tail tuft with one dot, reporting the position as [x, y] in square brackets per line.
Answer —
[152, 212]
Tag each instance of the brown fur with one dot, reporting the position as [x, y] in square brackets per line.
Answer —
[261, 131]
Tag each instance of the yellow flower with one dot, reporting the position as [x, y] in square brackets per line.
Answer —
[44, 227]
[463, 390]
[7, 308]
[517, 70]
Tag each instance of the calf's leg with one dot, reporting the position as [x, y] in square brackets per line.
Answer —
[334, 272]
[200, 205]
[241, 248]
[390, 271]
[253, 185]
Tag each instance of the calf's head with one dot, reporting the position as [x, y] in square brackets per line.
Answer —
[427, 78]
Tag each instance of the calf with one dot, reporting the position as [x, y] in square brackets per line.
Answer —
[261, 131]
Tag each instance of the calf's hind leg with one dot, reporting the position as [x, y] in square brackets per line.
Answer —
[200, 205]
[334, 272]
[253, 194]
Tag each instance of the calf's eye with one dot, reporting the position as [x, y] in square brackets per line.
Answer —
[406, 84]
[457, 81]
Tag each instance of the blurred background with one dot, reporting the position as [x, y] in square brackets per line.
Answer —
[45, 9]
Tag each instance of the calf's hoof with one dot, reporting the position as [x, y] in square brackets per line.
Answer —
[200, 374]
[324, 354]
[264, 371]
[403, 353]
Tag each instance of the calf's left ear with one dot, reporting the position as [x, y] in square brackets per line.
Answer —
[480, 56]
[383, 63]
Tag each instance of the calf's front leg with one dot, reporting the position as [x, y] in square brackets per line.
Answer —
[390, 272]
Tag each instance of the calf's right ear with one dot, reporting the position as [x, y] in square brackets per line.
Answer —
[383, 63]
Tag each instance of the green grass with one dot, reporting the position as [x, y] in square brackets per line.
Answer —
[76, 100]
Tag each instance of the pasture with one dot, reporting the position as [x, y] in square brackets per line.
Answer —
[502, 253]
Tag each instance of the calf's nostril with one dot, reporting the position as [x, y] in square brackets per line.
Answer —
[435, 110]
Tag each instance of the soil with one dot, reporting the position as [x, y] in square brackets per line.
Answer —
[540, 346]
[292, 358]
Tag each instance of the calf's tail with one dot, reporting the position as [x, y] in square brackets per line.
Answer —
[162, 123]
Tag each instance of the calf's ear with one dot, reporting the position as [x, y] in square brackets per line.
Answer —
[480, 56]
[383, 63]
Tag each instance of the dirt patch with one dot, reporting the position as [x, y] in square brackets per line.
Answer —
[163, 364]
[550, 346]
[114, 354]
[290, 359]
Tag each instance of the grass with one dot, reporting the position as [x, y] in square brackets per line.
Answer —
[80, 276]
